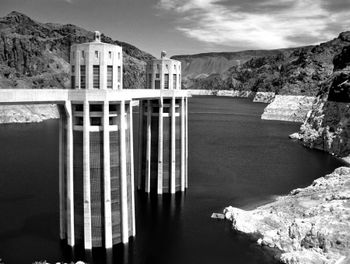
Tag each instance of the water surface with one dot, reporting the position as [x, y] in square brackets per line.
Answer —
[235, 158]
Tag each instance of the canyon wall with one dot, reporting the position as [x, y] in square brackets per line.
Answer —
[328, 125]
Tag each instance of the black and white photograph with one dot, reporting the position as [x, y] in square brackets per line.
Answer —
[174, 132]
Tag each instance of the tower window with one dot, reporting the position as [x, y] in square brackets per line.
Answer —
[113, 121]
[72, 80]
[95, 121]
[96, 76]
[110, 76]
[149, 81]
[110, 54]
[119, 74]
[96, 53]
[79, 107]
[157, 84]
[72, 77]
[83, 54]
[175, 67]
[118, 55]
[79, 121]
[167, 66]
[157, 75]
[113, 107]
[158, 67]
[174, 81]
[82, 76]
[166, 81]
[96, 108]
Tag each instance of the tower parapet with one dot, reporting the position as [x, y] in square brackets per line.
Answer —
[96, 65]
[163, 73]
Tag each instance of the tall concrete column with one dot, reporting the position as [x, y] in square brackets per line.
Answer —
[123, 175]
[70, 190]
[107, 178]
[131, 142]
[173, 146]
[148, 149]
[183, 168]
[141, 111]
[86, 177]
[160, 149]
[186, 143]
[61, 177]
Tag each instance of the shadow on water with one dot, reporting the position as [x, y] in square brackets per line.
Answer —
[235, 158]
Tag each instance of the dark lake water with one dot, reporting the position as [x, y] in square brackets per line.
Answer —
[234, 159]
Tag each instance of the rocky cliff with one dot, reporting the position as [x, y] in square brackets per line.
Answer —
[328, 124]
[295, 71]
[309, 225]
[36, 55]
[207, 70]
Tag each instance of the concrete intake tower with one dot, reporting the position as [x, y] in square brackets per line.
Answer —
[96, 159]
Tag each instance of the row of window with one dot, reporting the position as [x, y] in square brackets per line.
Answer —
[166, 81]
[96, 76]
[166, 66]
[97, 54]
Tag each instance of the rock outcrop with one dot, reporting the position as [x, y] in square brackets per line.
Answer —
[309, 226]
[27, 113]
[198, 67]
[264, 97]
[289, 108]
[36, 55]
[295, 71]
[328, 125]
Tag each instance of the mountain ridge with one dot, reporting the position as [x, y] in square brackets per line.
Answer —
[36, 55]
[294, 71]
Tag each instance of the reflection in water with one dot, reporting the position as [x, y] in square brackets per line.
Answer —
[162, 214]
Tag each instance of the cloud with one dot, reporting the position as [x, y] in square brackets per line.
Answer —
[264, 24]
[69, 1]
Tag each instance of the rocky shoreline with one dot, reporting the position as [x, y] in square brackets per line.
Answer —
[292, 108]
[310, 225]
[27, 113]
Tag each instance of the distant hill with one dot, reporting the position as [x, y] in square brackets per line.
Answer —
[202, 65]
[298, 71]
[36, 55]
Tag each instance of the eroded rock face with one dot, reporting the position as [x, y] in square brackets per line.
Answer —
[36, 55]
[310, 225]
[328, 125]
[295, 71]
[264, 97]
[27, 113]
[288, 108]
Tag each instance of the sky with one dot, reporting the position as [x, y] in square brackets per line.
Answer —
[197, 26]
